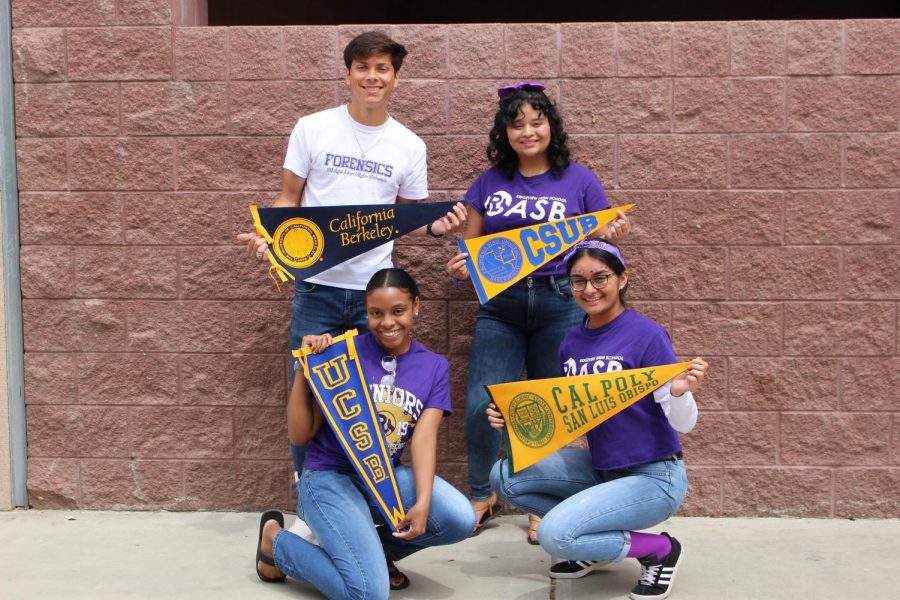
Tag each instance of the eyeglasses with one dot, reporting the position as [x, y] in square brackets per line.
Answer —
[598, 282]
[531, 86]
[389, 364]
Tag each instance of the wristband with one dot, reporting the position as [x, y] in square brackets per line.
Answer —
[432, 233]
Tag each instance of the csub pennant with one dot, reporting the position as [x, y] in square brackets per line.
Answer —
[499, 260]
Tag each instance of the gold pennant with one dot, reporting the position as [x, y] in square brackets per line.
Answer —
[543, 415]
[498, 260]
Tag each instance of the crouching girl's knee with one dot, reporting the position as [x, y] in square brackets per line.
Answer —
[499, 474]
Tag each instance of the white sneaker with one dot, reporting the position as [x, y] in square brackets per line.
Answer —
[300, 528]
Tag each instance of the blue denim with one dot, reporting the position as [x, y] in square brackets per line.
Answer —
[587, 514]
[520, 328]
[348, 561]
[321, 309]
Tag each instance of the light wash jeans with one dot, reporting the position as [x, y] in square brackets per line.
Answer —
[520, 328]
[587, 514]
[323, 309]
[349, 561]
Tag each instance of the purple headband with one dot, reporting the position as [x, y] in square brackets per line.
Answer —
[532, 86]
[597, 245]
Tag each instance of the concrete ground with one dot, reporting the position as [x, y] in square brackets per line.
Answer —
[75, 555]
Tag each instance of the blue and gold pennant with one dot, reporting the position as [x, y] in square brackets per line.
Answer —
[304, 241]
[336, 378]
[497, 261]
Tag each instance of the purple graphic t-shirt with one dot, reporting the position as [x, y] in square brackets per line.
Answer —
[422, 381]
[522, 201]
[641, 433]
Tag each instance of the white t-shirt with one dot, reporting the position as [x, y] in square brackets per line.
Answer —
[345, 162]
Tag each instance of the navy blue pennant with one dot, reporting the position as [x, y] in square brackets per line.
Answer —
[305, 241]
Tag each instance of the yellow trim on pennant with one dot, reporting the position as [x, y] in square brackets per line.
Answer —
[276, 271]
[257, 223]
[282, 273]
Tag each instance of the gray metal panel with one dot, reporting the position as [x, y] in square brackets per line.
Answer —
[11, 284]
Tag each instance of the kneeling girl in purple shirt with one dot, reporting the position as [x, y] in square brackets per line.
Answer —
[410, 386]
[631, 476]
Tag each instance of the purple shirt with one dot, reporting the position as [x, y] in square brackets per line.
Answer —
[641, 433]
[522, 201]
[422, 381]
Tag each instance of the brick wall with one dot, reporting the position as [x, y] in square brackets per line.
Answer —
[764, 156]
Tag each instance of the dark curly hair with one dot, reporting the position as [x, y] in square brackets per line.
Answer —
[501, 154]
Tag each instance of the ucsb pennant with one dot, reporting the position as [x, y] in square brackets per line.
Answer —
[499, 260]
[304, 241]
[543, 415]
[337, 381]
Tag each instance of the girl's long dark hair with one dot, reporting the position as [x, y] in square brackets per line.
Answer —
[501, 154]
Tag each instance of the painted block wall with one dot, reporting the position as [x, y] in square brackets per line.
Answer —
[764, 158]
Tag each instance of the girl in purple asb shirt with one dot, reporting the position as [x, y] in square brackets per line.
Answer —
[411, 389]
[631, 476]
[532, 181]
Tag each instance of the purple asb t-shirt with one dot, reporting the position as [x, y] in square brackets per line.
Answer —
[422, 381]
[522, 201]
[641, 433]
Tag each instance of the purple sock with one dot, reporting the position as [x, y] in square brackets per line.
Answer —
[644, 544]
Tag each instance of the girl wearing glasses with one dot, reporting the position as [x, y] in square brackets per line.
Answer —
[410, 387]
[531, 181]
[631, 476]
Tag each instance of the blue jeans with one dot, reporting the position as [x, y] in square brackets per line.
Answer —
[349, 561]
[587, 514]
[522, 327]
[321, 309]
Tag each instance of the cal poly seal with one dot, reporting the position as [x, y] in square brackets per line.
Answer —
[298, 242]
[532, 420]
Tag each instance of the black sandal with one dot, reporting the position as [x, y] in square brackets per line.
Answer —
[269, 515]
[398, 579]
[397, 575]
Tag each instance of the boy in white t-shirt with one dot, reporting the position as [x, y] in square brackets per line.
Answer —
[352, 154]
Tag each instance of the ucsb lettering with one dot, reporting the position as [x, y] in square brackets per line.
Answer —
[348, 406]
[543, 242]
[580, 404]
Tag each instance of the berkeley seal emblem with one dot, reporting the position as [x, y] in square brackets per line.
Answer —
[298, 242]
[532, 419]
[499, 260]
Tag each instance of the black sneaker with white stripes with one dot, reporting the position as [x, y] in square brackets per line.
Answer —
[657, 575]
[573, 569]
